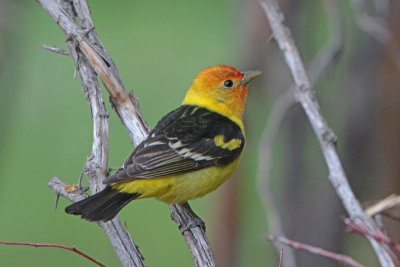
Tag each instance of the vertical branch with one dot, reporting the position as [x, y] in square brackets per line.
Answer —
[265, 161]
[304, 94]
[90, 56]
[96, 164]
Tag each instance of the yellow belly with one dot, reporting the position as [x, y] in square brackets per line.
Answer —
[180, 188]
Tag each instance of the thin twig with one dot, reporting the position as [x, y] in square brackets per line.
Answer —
[378, 236]
[383, 205]
[305, 96]
[59, 186]
[280, 258]
[316, 250]
[74, 249]
[56, 50]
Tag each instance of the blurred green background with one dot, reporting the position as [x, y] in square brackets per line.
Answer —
[158, 47]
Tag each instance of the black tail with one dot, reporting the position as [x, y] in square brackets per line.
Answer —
[102, 206]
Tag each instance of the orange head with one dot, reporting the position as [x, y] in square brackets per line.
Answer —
[222, 89]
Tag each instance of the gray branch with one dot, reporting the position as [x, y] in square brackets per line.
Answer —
[92, 59]
[96, 165]
[325, 58]
[193, 230]
[59, 186]
[304, 94]
[120, 240]
[56, 50]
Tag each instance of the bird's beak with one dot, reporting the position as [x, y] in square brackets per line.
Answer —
[249, 75]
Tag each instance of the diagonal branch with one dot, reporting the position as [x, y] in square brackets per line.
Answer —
[325, 58]
[378, 236]
[119, 238]
[304, 94]
[85, 46]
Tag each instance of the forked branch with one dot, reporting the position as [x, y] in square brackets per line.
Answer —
[91, 59]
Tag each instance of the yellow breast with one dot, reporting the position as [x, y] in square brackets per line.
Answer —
[180, 188]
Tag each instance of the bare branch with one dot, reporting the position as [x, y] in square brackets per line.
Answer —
[280, 258]
[378, 236]
[122, 102]
[96, 57]
[74, 249]
[384, 205]
[59, 187]
[304, 94]
[56, 50]
[325, 58]
[316, 250]
[96, 164]
[193, 230]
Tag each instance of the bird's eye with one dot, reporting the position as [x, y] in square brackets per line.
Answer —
[228, 83]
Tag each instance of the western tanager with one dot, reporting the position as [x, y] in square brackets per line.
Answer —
[191, 151]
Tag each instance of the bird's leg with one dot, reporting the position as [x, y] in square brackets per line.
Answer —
[197, 220]
[189, 218]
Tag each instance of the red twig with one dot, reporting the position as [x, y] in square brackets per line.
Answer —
[378, 236]
[352, 227]
[54, 246]
[315, 250]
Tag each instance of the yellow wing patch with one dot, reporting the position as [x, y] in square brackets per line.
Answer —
[234, 143]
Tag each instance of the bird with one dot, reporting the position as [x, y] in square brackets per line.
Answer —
[191, 151]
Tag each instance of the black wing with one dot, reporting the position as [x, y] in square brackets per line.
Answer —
[187, 139]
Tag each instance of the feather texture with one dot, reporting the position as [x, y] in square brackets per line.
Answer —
[186, 139]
